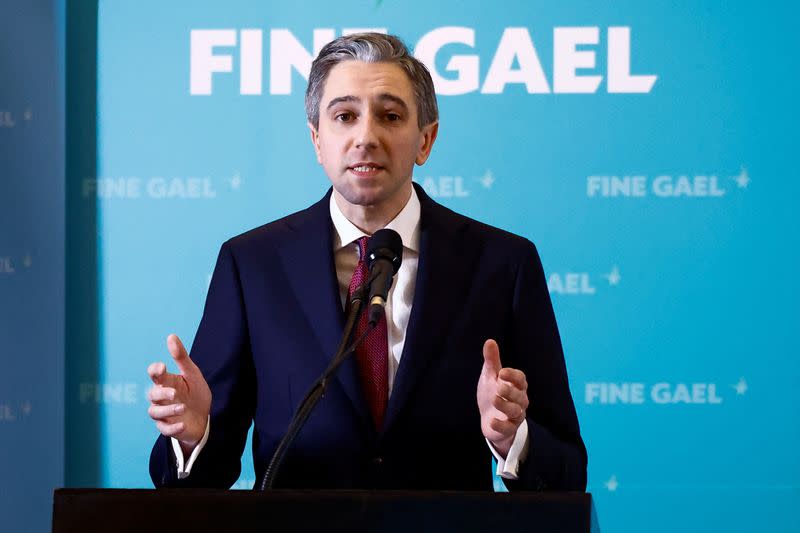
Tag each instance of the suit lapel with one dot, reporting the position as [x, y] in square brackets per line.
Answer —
[309, 266]
[443, 276]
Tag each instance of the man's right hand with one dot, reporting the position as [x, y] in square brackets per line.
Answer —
[179, 403]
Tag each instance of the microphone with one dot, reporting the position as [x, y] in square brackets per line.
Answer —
[384, 255]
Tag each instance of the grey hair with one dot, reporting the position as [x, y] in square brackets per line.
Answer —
[371, 48]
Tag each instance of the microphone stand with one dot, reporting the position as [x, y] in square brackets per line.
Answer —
[317, 390]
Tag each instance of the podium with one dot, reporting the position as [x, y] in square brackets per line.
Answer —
[202, 510]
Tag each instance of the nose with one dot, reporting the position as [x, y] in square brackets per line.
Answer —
[367, 133]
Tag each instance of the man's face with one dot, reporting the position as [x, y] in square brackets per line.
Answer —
[368, 138]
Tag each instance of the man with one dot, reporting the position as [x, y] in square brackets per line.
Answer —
[401, 413]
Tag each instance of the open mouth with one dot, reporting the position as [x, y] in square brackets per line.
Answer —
[365, 169]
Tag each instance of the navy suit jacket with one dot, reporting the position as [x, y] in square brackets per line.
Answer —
[272, 321]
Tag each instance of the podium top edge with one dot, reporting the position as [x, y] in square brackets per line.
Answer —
[334, 493]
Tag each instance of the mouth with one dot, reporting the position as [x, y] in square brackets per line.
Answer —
[365, 169]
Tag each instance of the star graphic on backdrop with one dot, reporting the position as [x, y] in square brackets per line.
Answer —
[743, 179]
[6, 413]
[740, 387]
[487, 180]
[235, 181]
[27, 260]
[7, 119]
[7, 265]
[28, 115]
[612, 483]
[26, 408]
[613, 277]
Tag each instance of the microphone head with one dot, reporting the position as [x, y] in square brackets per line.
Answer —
[385, 244]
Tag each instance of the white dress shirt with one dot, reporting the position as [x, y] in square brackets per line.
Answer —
[398, 311]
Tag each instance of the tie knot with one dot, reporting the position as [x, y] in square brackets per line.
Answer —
[362, 248]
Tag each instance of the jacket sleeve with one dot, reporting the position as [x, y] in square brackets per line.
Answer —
[556, 457]
[221, 350]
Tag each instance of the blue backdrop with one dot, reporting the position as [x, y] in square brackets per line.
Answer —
[32, 261]
[648, 151]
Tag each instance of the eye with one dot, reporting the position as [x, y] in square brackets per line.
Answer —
[392, 117]
[344, 117]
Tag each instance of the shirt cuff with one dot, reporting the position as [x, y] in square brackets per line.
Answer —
[508, 468]
[184, 471]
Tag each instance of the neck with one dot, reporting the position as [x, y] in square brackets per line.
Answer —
[371, 218]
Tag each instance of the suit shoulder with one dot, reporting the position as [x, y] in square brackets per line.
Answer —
[491, 236]
[272, 233]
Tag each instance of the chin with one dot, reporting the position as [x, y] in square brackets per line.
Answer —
[361, 195]
[364, 199]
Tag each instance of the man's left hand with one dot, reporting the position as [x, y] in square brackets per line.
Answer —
[502, 399]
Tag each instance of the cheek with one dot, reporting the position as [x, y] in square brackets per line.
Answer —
[411, 149]
[400, 143]
[331, 142]
[328, 152]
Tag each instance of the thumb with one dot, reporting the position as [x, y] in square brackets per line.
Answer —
[179, 355]
[491, 357]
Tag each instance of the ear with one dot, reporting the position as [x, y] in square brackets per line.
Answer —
[427, 138]
[315, 141]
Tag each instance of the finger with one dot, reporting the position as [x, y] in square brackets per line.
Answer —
[512, 410]
[166, 379]
[180, 355]
[159, 375]
[511, 393]
[514, 376]
[170, 430]
[504, 427]
[156, 371]
[160, 412]
[491, 358]
[162, 395]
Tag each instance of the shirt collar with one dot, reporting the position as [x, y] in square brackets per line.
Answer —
[406, 223]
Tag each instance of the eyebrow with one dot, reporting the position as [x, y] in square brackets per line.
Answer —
[383, 97]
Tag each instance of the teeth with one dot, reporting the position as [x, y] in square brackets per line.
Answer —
[364, 168]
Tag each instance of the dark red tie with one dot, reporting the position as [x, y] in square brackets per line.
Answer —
[372, 355]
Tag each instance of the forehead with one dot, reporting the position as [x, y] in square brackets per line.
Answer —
[366, 80]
